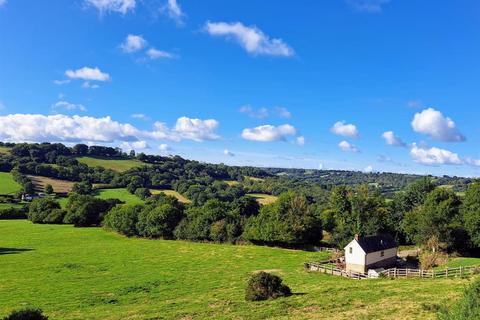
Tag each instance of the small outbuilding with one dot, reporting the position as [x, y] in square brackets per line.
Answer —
[370, 252]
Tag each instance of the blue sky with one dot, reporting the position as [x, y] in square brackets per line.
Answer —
[364, 85]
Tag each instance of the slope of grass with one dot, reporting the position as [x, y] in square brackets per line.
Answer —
[263, 198]
[460, 262]
[10, 205]
[4, 150]
[121, 194]
[171, 193]
[62, 186]
[7, 184]
[87, 273]
[119, 165]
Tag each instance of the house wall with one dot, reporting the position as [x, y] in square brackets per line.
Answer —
[354, 261]
[375, 257]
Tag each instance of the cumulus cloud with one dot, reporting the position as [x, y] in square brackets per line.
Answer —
[120, 6]
[371, 6]
[392, 139]
[473, 162]
[88, 85]
[368, 169]
[434, 156]
[228, 153]
[348, 147]
[434, 124]
[154, 54]
[63, 128]
[164, 147]
[252, 39]
[135, 145]
[133, 43]
[62, 104]
[300, 140]
[173, 10]
[341, 128]
[87, 73]
[140, 116]
[262, 113]
[268, 133]
[283, 112]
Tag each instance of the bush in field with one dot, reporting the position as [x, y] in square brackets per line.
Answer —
[55, 216]
[26, 314]
[264, 286]
[159, 221]
[82, 188]
[468, 308]
[143, 193]
[123, 219]
[86, 211]
[49, 189]
[40, 208]
[13, 213]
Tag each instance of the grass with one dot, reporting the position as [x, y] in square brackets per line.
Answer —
[172, 193]
[61, 186]
[88, 273]
[460, 262]
[10, 205]
[4, 150]
[119, 165]
[120, 194]
[263, 198]
[231, 183]
[7, 184]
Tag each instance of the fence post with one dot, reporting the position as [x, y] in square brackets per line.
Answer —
[461, 272]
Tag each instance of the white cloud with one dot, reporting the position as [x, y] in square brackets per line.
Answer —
[392, 139]
[473, 162]
[62, 104]
[434, 124]
[259, 114]
[135, 145]
[320, 166]
[267, 133]
[153, 54]
[283, 112]
[343, 129]
[88, 85]
[86, 73]
[133, 43]
[434, 156]
[368, 169]
[348, 147]
[300, 140]
[140, 116]
[61, 82]
[164, 147]
[173, 10]
[228, 153]
[120, 6]
[252, 39]
[3, 2]
[40, 128]
[371, 6]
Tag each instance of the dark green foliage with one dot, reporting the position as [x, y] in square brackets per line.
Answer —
[55, 216]
[468, 308]
[83, 188]
[14, 213]
[290, 220]
[26, 314]
[470, 211]
[40, 208]
[159, 221]
[264, 286]
[48, 189]
[123, 219]
[143, 193]
[85, 211]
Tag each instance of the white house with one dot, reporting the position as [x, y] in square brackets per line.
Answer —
[370, 252]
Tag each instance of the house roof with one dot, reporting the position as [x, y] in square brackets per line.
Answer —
[376, 243]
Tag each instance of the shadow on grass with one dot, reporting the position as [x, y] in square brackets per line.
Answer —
[13, 250]
[299, 294]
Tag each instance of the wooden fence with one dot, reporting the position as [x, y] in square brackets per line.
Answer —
[327, 268]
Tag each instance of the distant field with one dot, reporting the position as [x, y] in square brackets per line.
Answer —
[4, 150]
[10, 205]
[61, 186]
[254, 178]
[88, 273]
[460, 262]
[7, 184]
[231, 182]
[115, 165]
[120, 194]
[172, 193]
[263, 198]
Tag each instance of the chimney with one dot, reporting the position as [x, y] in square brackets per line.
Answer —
[356, 236]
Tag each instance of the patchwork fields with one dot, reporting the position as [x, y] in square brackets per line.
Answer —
[119, 165]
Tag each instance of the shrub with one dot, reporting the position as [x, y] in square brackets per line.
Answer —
[123, 219]
[264, 286]
[85, 211]
[26, 314]
[49, 189]
[83, 188]
[13, 213]
[56, 216]
[468, 308]
[159, 221]
[143, 193]
[40, 208]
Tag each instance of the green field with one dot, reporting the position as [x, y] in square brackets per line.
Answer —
[119, 165]
[120, 194]
[7, 184]
[4, 150]
[88, 273]
[171, 193]
[10, 205]
[460, 262]
[263, 198]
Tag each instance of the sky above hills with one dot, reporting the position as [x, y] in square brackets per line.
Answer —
[370, 85]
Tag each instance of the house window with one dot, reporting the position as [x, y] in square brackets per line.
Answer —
[350, 250]
[382, 253]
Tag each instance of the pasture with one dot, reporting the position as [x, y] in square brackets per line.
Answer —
[88, 273]
[119, 165]
[171, 193]
[59, 186]
[263, 198]
[8, 186]
[121, 194]
[4, 150]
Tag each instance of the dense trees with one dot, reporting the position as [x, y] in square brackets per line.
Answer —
[41, 210]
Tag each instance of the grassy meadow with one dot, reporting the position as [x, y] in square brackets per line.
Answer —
[171, 193]
[119, 165]
[121, 194]
[263, 198]
[61, 186]
[7, 184]
[88, 273]
[4, 150]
